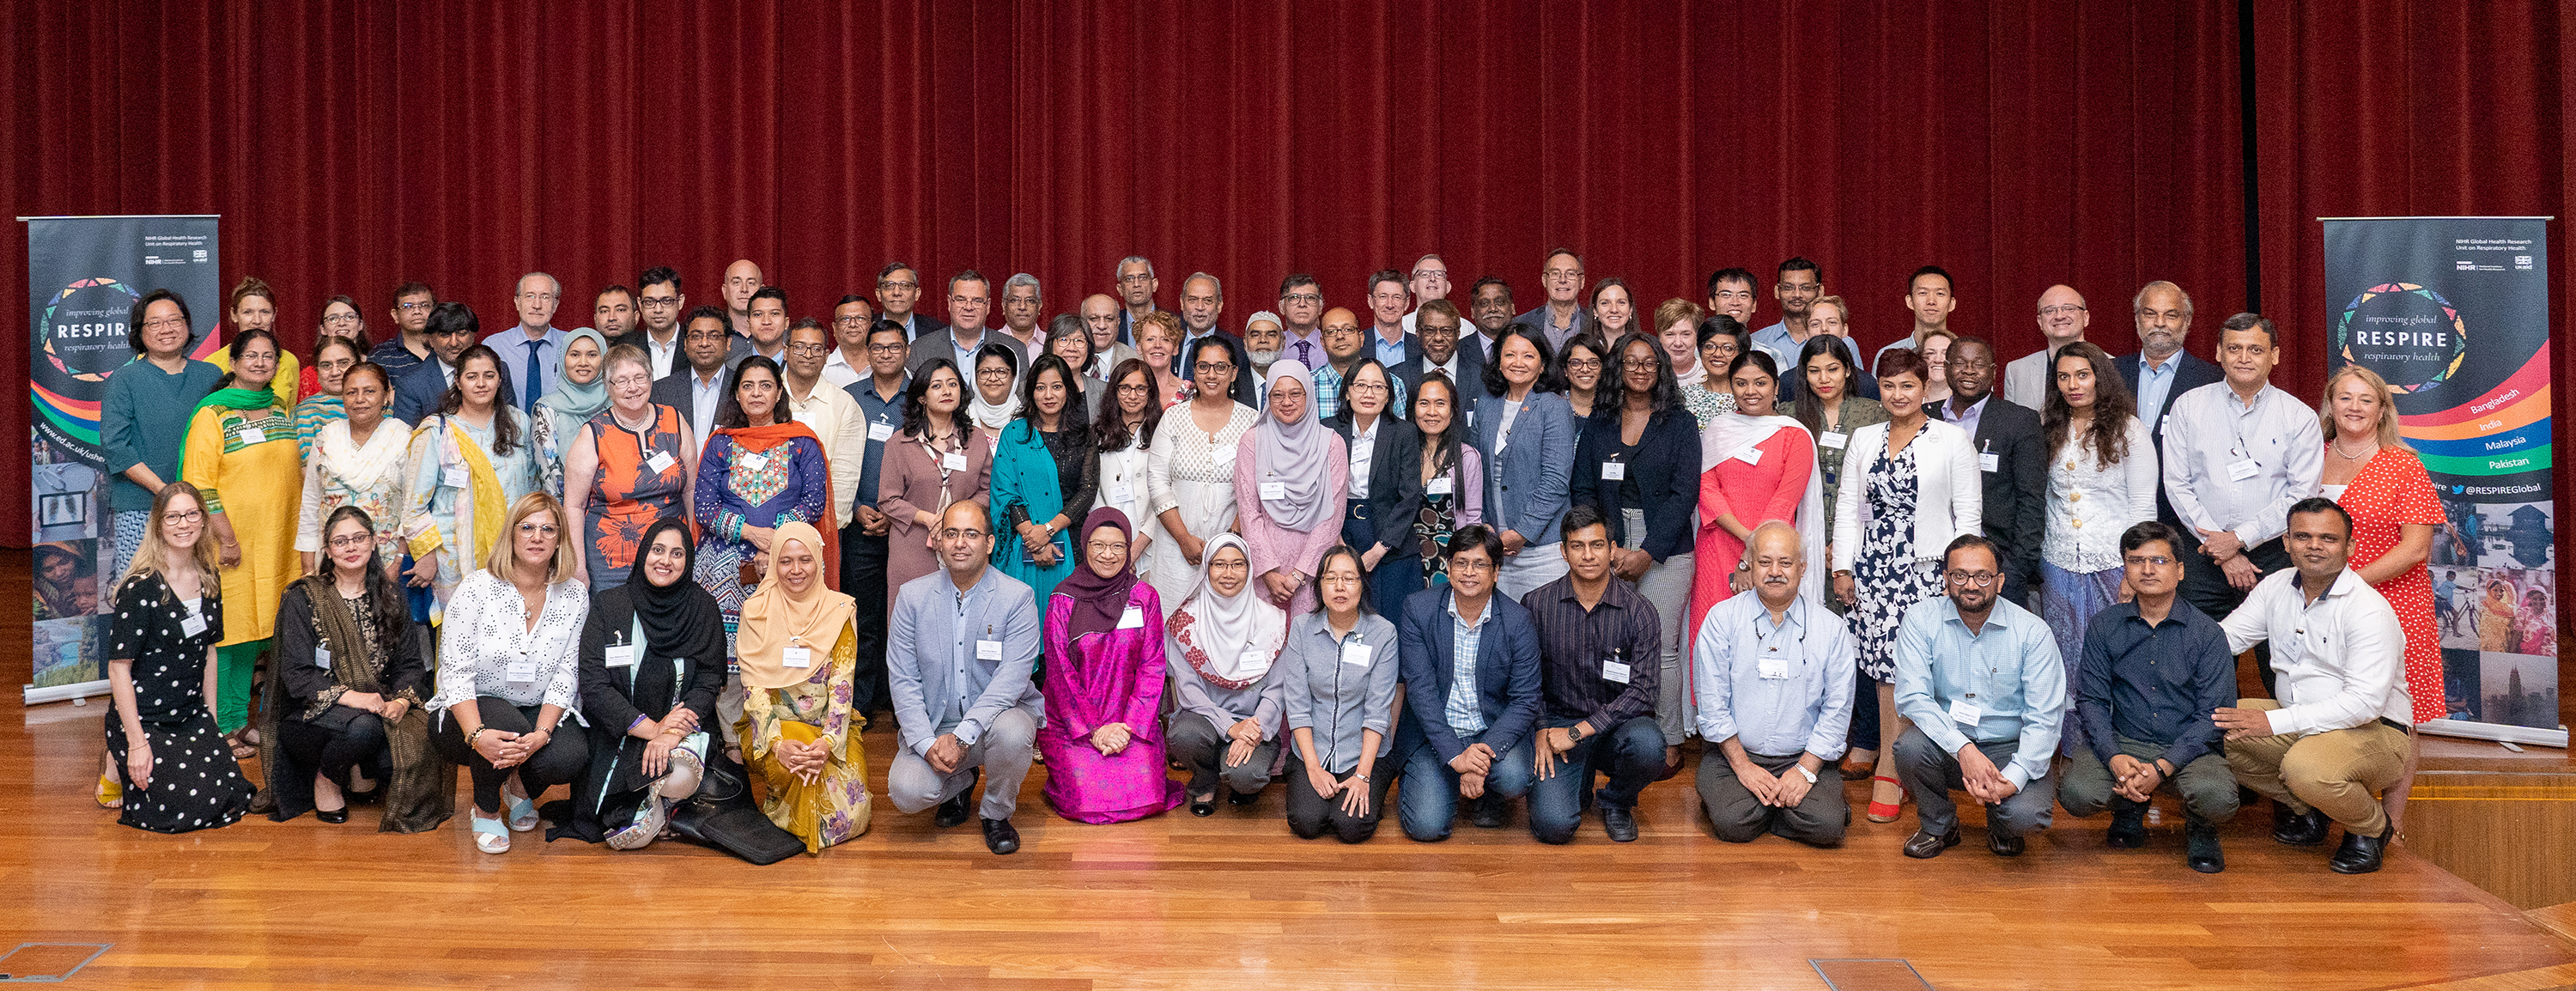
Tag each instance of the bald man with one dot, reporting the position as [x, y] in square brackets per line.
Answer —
[741, 279]
[1775, 671]
[1345, 341]
[2062, 319]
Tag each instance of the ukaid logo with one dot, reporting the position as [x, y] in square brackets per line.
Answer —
[2407, 333]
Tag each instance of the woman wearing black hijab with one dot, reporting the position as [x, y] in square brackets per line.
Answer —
[652, 661]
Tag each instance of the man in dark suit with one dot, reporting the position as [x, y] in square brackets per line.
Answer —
[898, 291]
[2163, 314]
[696, 388]
[1436, 332]
[2012, 458]
[1202, 304]
[1466, 730]
[418, 392]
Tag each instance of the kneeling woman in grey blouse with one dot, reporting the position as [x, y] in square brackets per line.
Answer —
[1224, 647]
[509, 671]
[1337, 676]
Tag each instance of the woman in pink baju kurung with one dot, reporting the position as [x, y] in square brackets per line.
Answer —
[1103, 739]
[1290, 473]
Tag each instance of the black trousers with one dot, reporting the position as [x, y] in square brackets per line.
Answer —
[1311, 815]
[2205, 586]
[863, 577]
[333, 746]
[559, 762]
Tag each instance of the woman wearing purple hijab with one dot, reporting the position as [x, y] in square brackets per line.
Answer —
[1290, 474]
[1103, 740]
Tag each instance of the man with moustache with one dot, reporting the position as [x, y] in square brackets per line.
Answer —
[1202, 302]
[1023, 303]
[1136, 288]
[1489, 305]
[898, 290]
[961, 655]
[1301, 311]
[1100, 317]
[2238, 453]
[2012, 462]
[1775, 671]
[1600, 657]
[613, 314]
[1344, 344]
[850, 358]
[1799, 285]
[828, 410]
[1438, 325]
[2162, 371]
[1981, 680]
[417, 392]
[1263, 345]
[696, 389]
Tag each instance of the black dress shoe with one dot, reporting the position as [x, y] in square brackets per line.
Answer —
[1491, 813]
[953, 811]
[1620, 823]
[1239, 799]
[2298, 829]
[2201, 847]
[334, 816]
[1000, 836]
[2001, 845]
[1203, 807]
[2360, 854]
[2128, 824]
[1925, 846]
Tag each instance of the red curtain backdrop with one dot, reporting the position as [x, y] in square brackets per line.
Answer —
[351, 146]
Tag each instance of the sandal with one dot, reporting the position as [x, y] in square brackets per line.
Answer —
[647, 826]
[1884, 811]
[111, 793]
[243, 749]
[490, 836]
[523, 813]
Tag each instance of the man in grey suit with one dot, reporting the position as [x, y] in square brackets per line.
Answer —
[970, 300]
[2162, 371]
[960, 652]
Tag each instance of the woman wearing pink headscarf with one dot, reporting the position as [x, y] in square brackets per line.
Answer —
[1289, 475]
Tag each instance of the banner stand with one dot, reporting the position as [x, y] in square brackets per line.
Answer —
[2454, 313]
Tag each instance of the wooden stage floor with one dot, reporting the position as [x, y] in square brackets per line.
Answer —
[1183, 902]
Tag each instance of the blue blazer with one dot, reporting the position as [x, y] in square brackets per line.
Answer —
[1507, 688]
[1666, 469]
[1525, 487]
[418, 392]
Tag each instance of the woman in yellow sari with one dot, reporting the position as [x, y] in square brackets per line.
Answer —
[241, 453]
[799, 655]
[470, 462]
[2495, 624]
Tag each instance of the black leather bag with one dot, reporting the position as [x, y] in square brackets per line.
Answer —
[722, 815]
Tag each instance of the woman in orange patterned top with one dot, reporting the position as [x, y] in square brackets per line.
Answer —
[630, 466]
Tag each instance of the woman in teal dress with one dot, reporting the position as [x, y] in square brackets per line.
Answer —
[1044, 478]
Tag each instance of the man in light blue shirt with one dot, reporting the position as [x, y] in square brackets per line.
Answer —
[532, 352]
[1393, 343]
[1982, 682]
[959, 655]
[1800, 285]
[1774, 673]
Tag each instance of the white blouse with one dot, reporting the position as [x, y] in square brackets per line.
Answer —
[2090, 506]
[486, 648]
[1193, 472]
[1123, 487]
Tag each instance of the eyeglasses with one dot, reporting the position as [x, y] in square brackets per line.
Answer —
[1583, 364]
[850, 321]
[1562, 274]
[337, 319]
[335, 365]
[1213, 368]
[906, 286]
[348, 540]
[627, 381]
[414, 307]
[707, 335]
[1303, 297]
[1633, 364]
[808, 348]
[2157, 561]
[2061, 310]
[1098, 546]
[536, 529]
[1135, 389]
[1366, 387]
[992, 373]
[894, 348]
[165, 323]
[1469, 567]
[175, 519]
[661, 302]
[956, 534]
[1980, 579]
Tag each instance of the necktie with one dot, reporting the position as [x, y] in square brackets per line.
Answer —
[528, 396]
[1305, 354]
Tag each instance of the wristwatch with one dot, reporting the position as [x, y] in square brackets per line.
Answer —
[1804, 773]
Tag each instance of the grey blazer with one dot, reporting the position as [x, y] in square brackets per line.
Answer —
[1525, 484]
[932, 679]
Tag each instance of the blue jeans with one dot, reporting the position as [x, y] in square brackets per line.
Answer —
[1429, 799]
[1631, 753]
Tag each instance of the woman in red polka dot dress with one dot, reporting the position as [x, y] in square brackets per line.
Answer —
[2373, 475]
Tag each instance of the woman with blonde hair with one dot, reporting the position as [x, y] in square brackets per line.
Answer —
[176, 772]
[509, 672]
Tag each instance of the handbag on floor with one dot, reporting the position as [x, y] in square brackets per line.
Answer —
[722, 815]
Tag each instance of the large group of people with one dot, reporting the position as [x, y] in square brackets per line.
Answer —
[1458, 555]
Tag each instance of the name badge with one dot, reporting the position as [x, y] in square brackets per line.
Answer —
[621, 656]
[1750, 455]
[1122, 493]
[253, 435]
[1773, 668]
[1614, 471]
[2245, 469]
[953, 461]
[322, 657]
[1132, 619]
[192, 625]
[1965, 713]
[1834, 439]
[521, 672]
[1357, 653]
[1253, 657]
[1273, 490]
[797, 657]
[754, 462]
[1471, 418]
[1224, 458]
[660, 462]
[880, 431]
[1990, 462]
[453, 476]
[1437, 486]
[1614, 671]
[988, 650]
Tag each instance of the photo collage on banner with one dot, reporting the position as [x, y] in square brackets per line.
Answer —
[2454, 313]
[84, 274]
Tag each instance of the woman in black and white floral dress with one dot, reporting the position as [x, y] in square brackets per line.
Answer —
[179, 774]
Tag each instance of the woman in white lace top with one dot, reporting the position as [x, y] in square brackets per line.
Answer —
[2101, 481]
